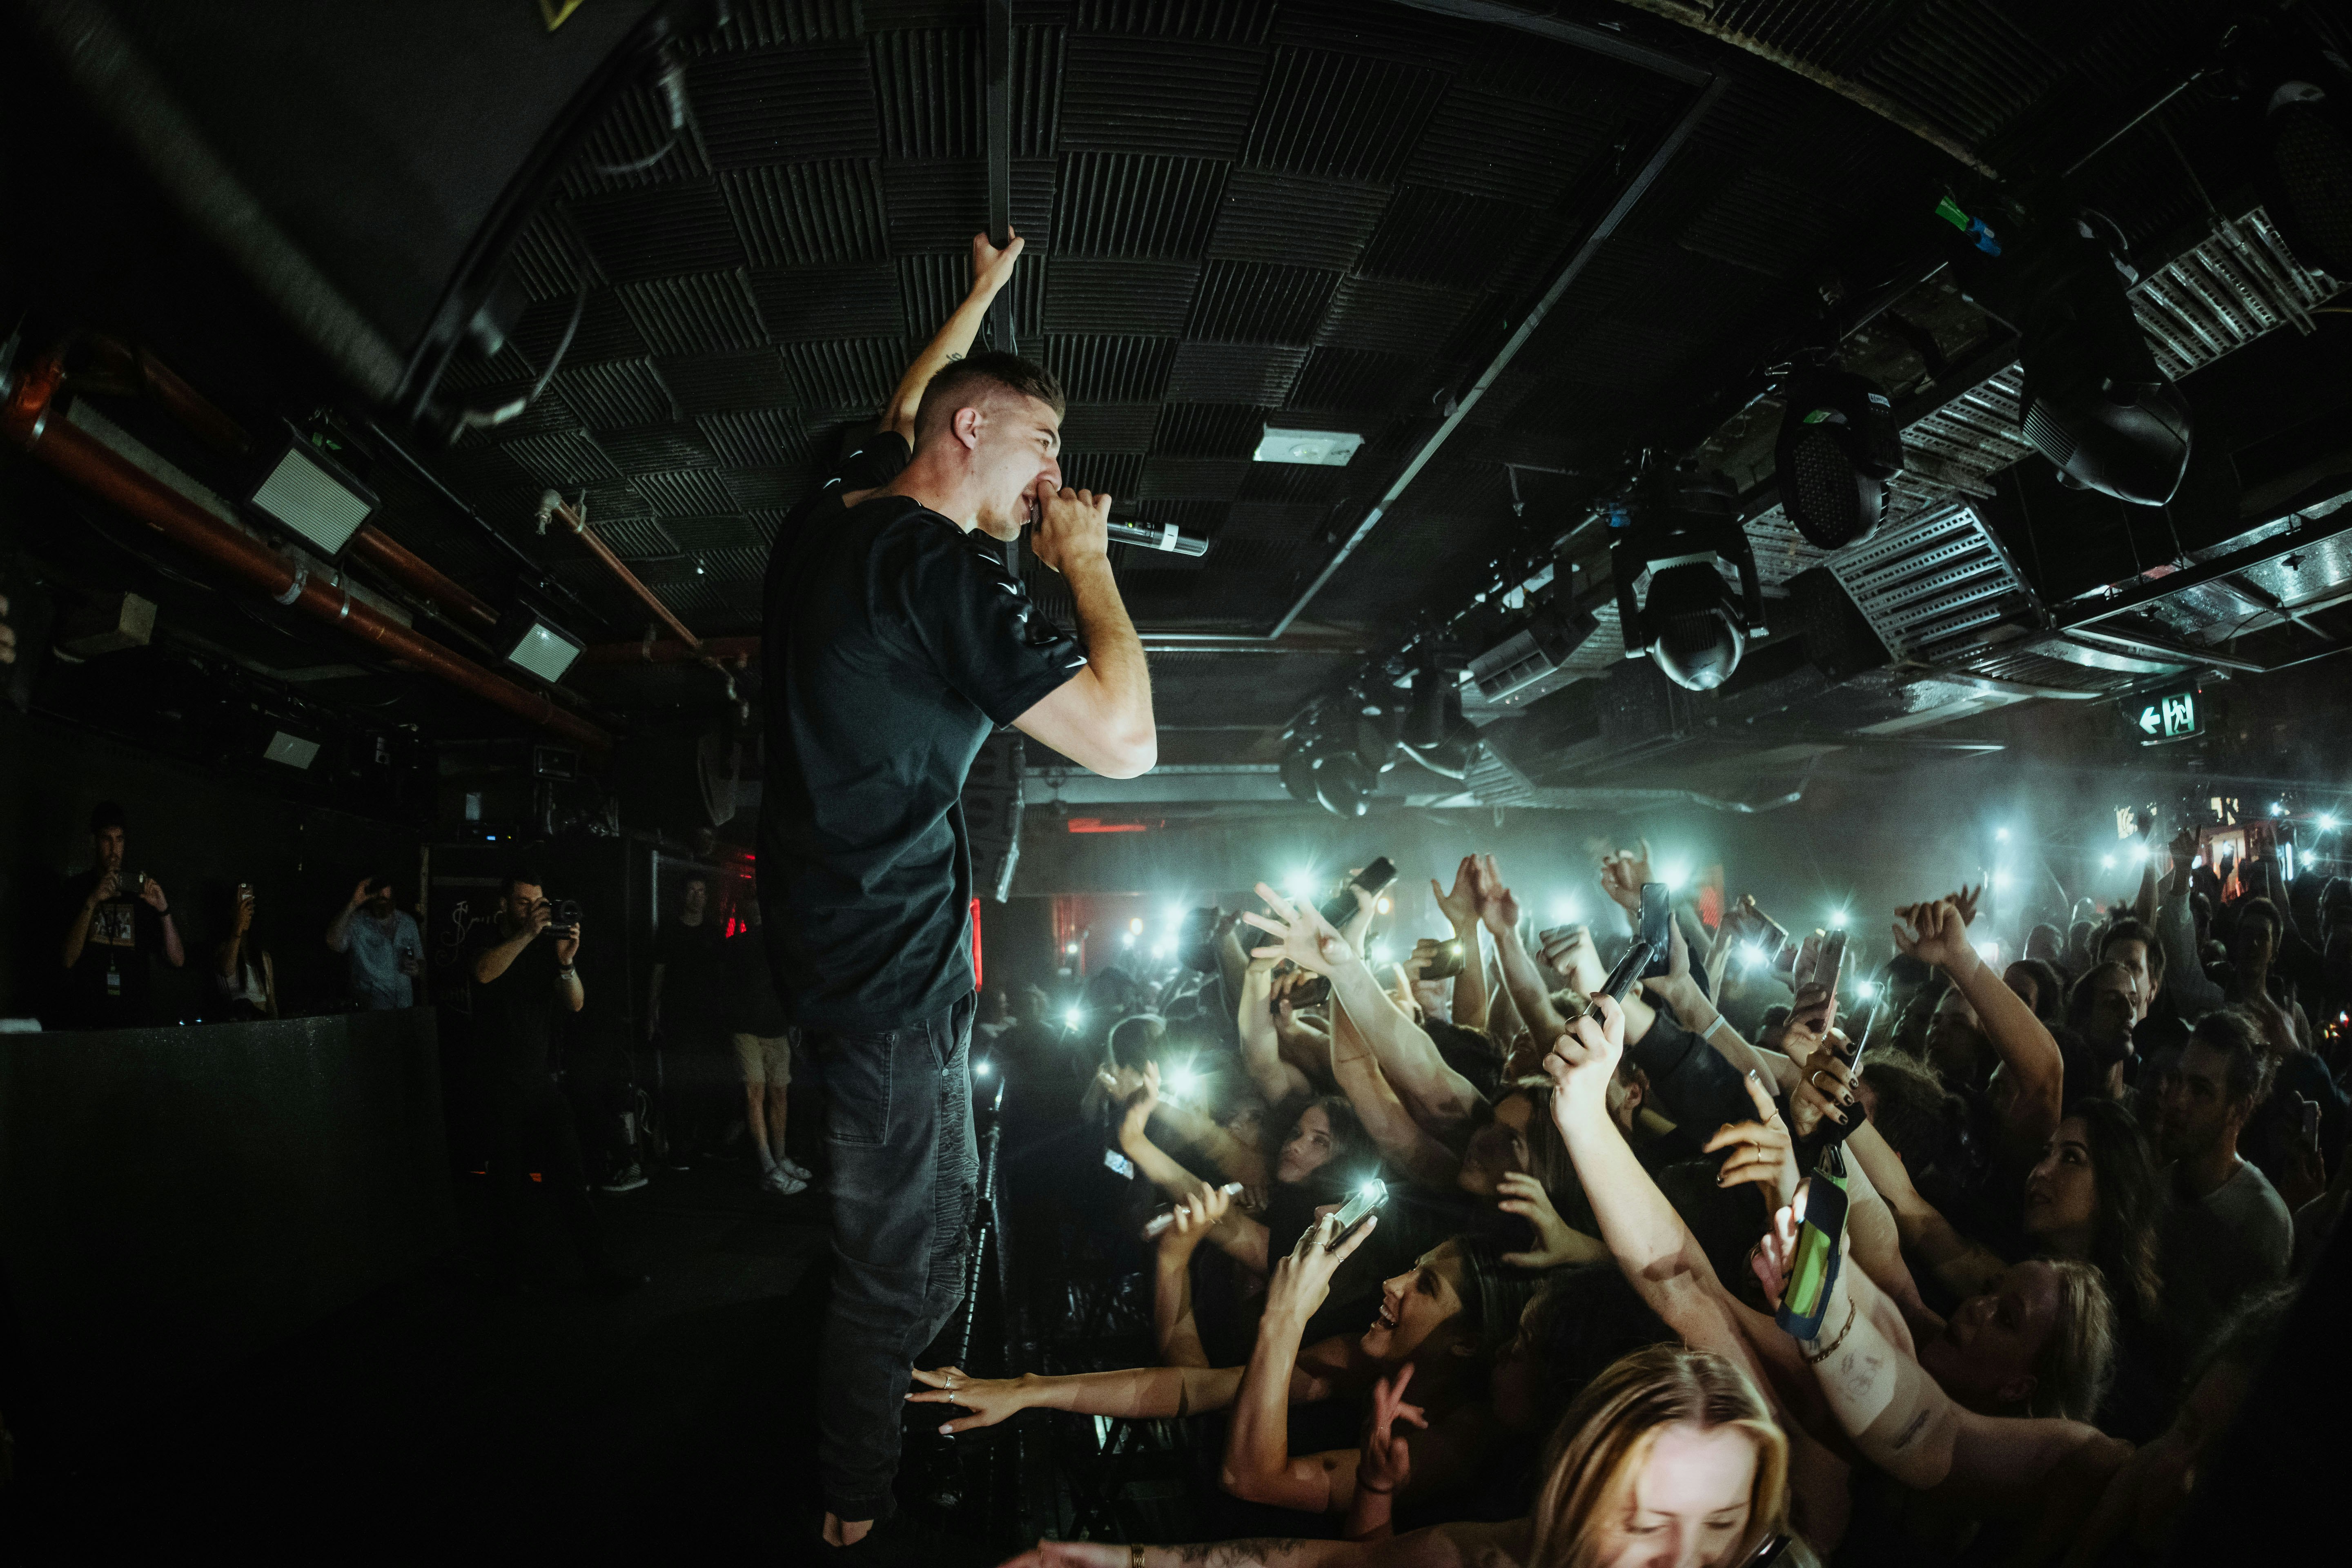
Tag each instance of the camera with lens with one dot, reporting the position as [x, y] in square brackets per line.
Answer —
[564, 916]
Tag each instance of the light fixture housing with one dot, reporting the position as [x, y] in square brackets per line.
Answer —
[293, 750]
[532, 642]
[2093, 403]
[1838, 446]
[1343, 786]
[1325, 448]
[312, 496]
[1676, 603]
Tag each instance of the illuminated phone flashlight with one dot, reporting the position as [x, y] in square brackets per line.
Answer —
[1382, 906]
[1180, 1084]
[1865, 989]
[1300, 884]
[1564, 909]
[1837, 920]
[1074, 1017]
[1673, 877]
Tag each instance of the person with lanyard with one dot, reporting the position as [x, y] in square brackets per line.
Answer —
[895, 642]
[119, 926]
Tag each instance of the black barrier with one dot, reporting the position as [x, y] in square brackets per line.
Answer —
[174, 1199]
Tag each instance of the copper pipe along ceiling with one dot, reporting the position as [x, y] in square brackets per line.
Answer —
[552, 505]
[27, 421]
[131, 369]
[708, 651]
[420, 577]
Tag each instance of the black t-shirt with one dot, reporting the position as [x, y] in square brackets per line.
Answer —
[753, 1007]
[695, 980]
[514, 1015]
[895, 644]
[112, 986]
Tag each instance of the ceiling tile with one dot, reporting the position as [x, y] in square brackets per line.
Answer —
[1432, 235]
[1256, 301]
[685, 492]
[848, 373]
[1215, 21]
[728, 380]
[1101, 295]
[1132, 204]
[941, 205]
[1110, 369]
[1109, 426]
[693, 315]
[1257, 374]
[928, 84]
[857, 299]
[1508, 148]
[771, 106]
[1342, 116]
[1295, 219]
[632, 537]
[807, 213]
[605, 331]
[757, 488]
[564, 458]
[1175, 98]
[618, 393]
[663, 446]
[713, 532]
[1213, 479]
[1395, 318]
[1208, 430]
[756, 439]
[1115, 474]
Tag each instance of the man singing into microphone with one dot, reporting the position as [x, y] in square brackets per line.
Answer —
[895, 643]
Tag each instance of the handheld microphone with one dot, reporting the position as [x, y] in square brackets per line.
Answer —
[1161, 538]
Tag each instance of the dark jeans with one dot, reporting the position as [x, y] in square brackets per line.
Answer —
[530, 1127]
[905, 1174]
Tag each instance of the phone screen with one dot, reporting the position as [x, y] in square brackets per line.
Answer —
[1367, 1198]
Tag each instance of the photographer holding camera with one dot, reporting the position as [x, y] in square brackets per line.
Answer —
[521, 962]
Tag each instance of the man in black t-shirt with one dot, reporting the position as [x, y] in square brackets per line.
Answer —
[520, 967]
[121, 923]
[895, 642]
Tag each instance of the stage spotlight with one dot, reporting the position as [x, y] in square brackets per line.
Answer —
[2326, 825]
[1300, 884]
[1380, 906]
[2107, 862]
[1691, 622]
[2000, 834]
[2095, 402]
[1837, 448]
[1565, 911]
[1532, 662]
[1343, 786]
[2301, 93]
[1435, 708]
[1675, 875]
[1136, 925]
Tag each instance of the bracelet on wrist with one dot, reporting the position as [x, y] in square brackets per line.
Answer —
[1815, 1358]
[1375, 1491]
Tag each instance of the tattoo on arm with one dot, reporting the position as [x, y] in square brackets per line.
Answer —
[1912, 1430]
[1234, 1554]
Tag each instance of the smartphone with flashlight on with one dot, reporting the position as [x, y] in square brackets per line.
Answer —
[1447, 963]
[1165, 1216]
[1368, 1197]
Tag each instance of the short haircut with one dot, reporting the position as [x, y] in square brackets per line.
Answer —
[2231, 1034]
[2260, 909]
[105, 814]
[2131, 929]
[966, 380]
[2078, 1001]
[518, 876]
[694, 876]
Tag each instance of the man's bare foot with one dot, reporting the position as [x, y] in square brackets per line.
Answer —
[836, 1534]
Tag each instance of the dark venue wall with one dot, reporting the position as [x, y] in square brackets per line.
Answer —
[198, 833]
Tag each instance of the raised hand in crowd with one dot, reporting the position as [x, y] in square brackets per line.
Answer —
[1384, 1459]
[1622, 872]
[1557, 1241]
[1760, 1153]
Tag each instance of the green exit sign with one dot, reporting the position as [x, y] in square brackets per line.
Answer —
[2167, 716]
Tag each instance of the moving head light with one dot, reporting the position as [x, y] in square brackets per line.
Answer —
[1687, 591]
[1837, 448]
[2095, 402]
[2300, 93]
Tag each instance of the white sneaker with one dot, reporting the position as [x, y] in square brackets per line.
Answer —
[790, 1168]
[783, 1184]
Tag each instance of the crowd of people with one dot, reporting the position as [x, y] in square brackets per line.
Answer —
[2076, 1193]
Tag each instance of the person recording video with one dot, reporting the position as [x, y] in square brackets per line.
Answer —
[121, 923]
[520, 965]
[381, 943]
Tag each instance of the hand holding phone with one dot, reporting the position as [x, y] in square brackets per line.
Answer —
[1368, 1197]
